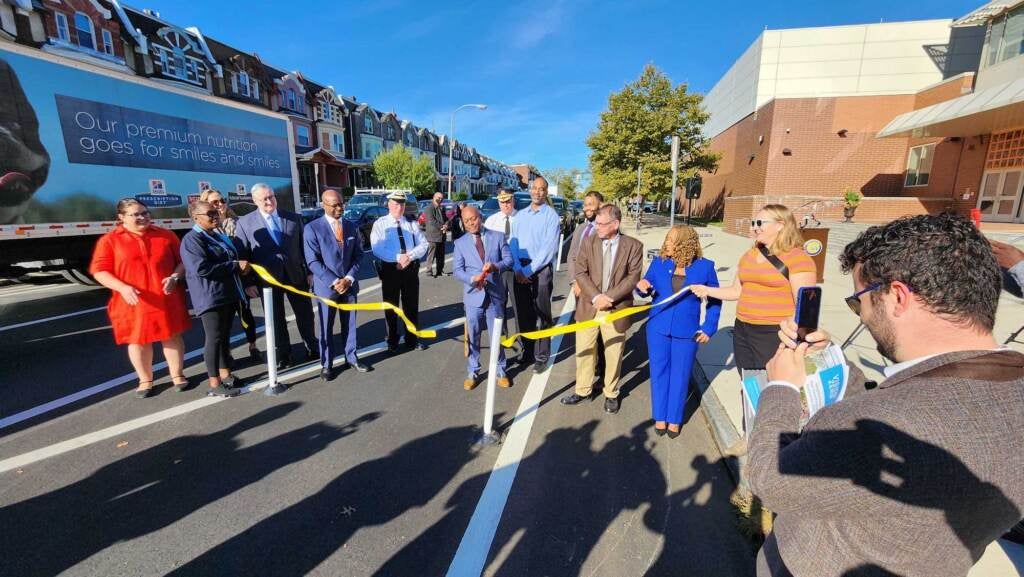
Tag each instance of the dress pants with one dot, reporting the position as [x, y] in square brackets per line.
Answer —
[400, 287]
[475, 318]
[534, 303]
[348, 329]
[586, 357]
[217, 331]
[510, 324]
[435, 256]
[671, 362]
[303, 309]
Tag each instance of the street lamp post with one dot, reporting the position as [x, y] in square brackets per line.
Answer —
[451, 143]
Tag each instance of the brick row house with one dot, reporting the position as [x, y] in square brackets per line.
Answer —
[336, 137]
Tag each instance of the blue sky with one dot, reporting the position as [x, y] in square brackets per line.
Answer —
[545, 68]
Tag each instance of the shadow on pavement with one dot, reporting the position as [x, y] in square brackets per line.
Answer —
[150, 490]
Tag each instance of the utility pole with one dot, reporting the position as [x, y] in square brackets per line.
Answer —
[675, 173]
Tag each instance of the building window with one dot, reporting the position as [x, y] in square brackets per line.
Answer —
[62, 27]
[302, 135]
[337, 143]
[108, 42]
[325, 111]
[86, 35]
[919, 165]
[1005, 38]
[367, 125]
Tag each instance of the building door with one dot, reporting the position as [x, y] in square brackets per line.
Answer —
[1000, 196]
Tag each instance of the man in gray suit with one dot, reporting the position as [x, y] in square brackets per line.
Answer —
[437, 228]
[919, 475]
[273, 240]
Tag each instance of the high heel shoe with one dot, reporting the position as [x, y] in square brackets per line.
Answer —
[660, 432]
[673, 434]
[142, 393]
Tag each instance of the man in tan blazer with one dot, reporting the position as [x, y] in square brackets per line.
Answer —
[607, 269]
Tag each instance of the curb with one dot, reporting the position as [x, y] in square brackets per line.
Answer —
[723, 431]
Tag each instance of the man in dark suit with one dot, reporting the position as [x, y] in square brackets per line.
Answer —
[333, 251]
[918, 475]
[436, 229]
[480, 258]
[607, 270]
[273, 239]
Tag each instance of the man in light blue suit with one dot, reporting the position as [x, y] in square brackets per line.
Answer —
[333, 250]
[480, 258]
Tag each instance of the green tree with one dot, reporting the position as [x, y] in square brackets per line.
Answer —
[567, 180]
[396, 168]
[636, 130]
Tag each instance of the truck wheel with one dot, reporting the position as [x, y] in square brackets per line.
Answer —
[78, 275]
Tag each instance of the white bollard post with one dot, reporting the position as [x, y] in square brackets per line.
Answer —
[488, 437]
[558, 261]
[273, 388]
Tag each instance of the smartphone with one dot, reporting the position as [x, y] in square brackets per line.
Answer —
[808, 308]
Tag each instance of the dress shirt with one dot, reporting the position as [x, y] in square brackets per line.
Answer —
[273, 223]
[385, 245]
[331, 222]
[535, 237]
[612, 245]
[496, 222]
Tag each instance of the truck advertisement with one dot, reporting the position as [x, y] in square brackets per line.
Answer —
[75, 139]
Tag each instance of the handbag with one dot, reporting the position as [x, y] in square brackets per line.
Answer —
[778, 264]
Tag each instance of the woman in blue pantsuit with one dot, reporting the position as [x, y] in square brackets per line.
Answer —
[675, 330]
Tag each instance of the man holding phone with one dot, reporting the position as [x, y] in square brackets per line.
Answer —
[917, 476]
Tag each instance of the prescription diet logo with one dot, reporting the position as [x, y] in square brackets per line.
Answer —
[106, 134]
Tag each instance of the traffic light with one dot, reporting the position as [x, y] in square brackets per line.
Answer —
[693, 185]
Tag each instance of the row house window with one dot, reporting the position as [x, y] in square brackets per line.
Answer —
[85, 30]
[408, 140]
[242, 84]
[337, 143]
[108, 42]
[63, 33]
[177, 65]
[302, 135]
[391, 132]
[367, 125]
[326, 111]
[292, 101]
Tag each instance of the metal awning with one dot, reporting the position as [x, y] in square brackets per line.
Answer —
[983, 112]
[985, 13]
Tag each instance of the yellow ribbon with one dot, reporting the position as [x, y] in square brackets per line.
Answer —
[269, 279]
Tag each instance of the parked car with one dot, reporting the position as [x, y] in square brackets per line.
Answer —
[362, 199]
[311, 214]
[489, 207]
[365, 215]
[648, 207]
[449, 207]
[565, 213]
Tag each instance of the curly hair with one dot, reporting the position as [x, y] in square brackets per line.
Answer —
[944, 259]
[682, 244]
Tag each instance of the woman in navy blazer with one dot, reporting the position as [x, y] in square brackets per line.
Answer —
[674, 330]
[213, 263]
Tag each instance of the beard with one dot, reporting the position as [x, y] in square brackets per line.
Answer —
[881, 329]
[591, 216]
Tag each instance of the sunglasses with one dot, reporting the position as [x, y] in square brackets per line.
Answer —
[853, 301]
[216, 202]
[759, 223]
[211, 214]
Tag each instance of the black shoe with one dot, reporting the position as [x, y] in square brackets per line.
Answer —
[359, 366]
[232, 382]
[674, 434]
[255, 355]
[326, 374]
[283, 363]
[392, 349]
[221, 391]
[417, 346]
[312, 354]
[572, 399]
[660, 432]
[539, 367]
[611, 406]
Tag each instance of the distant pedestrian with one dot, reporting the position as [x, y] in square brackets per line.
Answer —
[534, 245]
[228, 224]
[674, 330]
[140, 263]
[398, 245]
[435, 232]
[213, 269]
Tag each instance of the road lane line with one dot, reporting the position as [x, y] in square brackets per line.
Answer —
[471, 557]
[118, 381]
[62, 447]
[48, 319]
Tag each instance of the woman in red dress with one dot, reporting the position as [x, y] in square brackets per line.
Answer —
[140, 263]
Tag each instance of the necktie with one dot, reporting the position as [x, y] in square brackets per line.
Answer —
[339, 235]
[606, 270]
[401, 238]
[479, 246]
[275, 230]
[508, 227]
[588, 230]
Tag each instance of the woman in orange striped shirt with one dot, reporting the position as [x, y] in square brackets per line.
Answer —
[766, 294]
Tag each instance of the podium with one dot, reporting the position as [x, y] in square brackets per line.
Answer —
[816, 246]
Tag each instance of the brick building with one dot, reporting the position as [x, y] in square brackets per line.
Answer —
[796, 120]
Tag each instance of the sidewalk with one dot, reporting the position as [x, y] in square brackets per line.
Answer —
[717, 376]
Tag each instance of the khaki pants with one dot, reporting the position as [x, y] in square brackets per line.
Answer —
[586, 359]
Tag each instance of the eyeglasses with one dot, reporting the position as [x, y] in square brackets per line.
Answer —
[143, 214]
[329, 205]
[217, 202]
[759, 223]
[211, 214]
[853, 301]
[606, 223]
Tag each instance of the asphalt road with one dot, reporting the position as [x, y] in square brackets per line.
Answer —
[370, 474]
